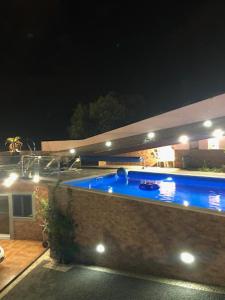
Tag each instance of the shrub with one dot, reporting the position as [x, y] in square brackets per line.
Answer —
[61, 229]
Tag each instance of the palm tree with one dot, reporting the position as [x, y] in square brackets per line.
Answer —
[14, 143]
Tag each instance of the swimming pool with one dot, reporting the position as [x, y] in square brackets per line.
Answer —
[189, 191]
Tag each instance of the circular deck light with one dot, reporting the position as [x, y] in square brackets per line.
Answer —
[100, 248]
[207, 123]
[151, 135]
[218, 133]
[187, 258]
[108, 144]
[186, 203]
[110, 190]
[183, 139]
[72, 151]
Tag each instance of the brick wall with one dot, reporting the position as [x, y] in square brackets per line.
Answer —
[148, 237]
[25, 228]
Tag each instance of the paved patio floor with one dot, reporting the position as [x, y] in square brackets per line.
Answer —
[44, 281]
[19, 255]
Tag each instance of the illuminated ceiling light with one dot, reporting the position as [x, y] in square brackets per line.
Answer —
[13, 176]
[72, 151]
[36, 178]
[108, 144]
[183, 139]
[100, 248]
[207, 123]
[151, 135]
[186, 203]
[218, 133]
[187, 258]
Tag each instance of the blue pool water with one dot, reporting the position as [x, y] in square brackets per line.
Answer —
[203, 192]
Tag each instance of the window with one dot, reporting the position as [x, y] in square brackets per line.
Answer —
[22, 206]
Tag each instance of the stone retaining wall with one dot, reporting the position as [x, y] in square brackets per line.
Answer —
[147, 236]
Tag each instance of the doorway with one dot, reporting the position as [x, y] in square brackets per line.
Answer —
[4, 217]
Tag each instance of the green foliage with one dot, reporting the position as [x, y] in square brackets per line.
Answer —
[60, 227]
[80, 122]
[106, 113]
[205, 168]
[14, 144]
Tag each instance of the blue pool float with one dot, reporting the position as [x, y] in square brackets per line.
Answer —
[148, 186]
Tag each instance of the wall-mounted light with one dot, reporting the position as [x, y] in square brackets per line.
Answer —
[10, 180]
[218, 133]
[100, 248]
[36, 178]
[13, 176]
[208, 123]
[151, 135]
[108, 144]
[72, 151]
[187, 258]
[7, 182]
[183, 139]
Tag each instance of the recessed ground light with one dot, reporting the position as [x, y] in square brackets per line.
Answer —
[207, 123]
[218, 133]
[151, 135]
[110, 190]
[186, 203]
[72, 151]
[100, 248]
[187, 257]
[36, 178]
[183, 139]
[108, 144]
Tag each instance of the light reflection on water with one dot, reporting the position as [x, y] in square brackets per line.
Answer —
[214, 201]
[167, 190]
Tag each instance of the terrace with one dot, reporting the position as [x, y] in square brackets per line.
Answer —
[175, 231]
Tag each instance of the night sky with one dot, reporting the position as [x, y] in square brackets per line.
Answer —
[54, 54]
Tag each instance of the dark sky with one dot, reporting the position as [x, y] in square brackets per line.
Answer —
[54, 54]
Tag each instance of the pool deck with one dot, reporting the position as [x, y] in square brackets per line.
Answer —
[89, 172]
